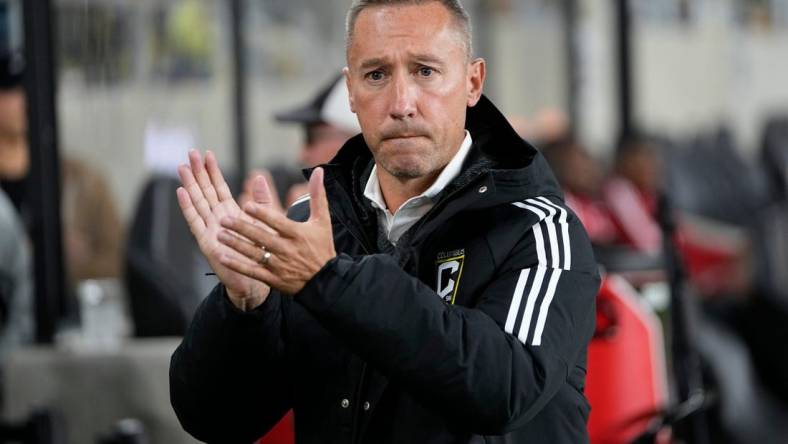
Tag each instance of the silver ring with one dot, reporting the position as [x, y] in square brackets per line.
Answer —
[265, 258]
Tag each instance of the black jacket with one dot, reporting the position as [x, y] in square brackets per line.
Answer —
[474, 329]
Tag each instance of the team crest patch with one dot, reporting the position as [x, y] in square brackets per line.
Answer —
[449, 266]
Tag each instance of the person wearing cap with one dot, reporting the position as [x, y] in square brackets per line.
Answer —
[432, 288]
[327, 120]
[328, 123]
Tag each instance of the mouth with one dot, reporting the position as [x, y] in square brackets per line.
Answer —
[403, 136]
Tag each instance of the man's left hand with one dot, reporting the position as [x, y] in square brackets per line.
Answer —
[294, 253]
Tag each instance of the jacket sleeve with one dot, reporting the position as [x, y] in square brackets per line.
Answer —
[492, 366]
[228, 378]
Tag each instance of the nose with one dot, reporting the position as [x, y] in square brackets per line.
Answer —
[404, 94]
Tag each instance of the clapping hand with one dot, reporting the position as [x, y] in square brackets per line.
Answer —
[273, 249]
[205, 200]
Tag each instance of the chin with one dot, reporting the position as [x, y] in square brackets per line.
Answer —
[405, 170]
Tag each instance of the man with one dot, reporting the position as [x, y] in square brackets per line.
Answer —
[437, 289]
[328, 123]
[16, 284]
[327, 120]
[91, 225]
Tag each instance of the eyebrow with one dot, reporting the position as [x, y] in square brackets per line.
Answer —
[371, 63]
[421, 58]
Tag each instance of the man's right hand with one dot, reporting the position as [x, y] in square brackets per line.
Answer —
[205, 199]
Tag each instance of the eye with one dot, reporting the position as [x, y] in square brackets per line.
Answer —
[375, 76]
[426, 71]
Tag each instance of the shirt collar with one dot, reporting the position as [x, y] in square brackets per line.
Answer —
[450, 172]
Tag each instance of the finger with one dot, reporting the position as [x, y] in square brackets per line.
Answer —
[318, 204]
[223, 192]
[253, 271]
[201, 175]
[249, 182]
[261, 191]
[193, 219]
[256, 234]
[272, 218]
[274, 201]
[246, 248]
[195, 193]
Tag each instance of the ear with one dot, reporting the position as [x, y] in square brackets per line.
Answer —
[348, 82]
[477, 71]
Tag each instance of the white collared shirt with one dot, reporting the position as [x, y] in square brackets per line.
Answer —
[414, 208]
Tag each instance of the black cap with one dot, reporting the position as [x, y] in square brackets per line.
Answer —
[331, 106]
[12, 69]
[312, 112]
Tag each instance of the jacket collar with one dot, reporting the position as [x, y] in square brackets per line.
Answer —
[507, 164]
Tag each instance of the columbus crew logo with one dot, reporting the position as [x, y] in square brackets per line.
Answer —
[449, 266]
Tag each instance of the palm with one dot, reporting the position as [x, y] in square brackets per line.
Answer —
[205, 200]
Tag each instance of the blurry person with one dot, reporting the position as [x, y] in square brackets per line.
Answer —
[328, 123]
[16, 291]
[91, 225]
[16, 305]
[632, 191]
[14, 155]
[92, 228]
[581, 178]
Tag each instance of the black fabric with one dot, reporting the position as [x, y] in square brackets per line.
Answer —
[164, 271]
[475, 329]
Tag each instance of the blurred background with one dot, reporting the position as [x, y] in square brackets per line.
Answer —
[666, 122]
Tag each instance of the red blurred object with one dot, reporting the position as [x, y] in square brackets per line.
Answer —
[282, 433]
[626, 383]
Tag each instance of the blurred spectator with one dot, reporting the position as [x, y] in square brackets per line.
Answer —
[581, 177]
[91, 225]
[16, 295]
[14, 154]
[16, 310]
[328, 123]
[631, 193]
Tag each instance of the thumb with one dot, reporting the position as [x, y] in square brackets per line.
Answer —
[318, 204]
[260, 191]
[264, 191]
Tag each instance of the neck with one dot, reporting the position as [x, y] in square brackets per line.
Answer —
[396, 191]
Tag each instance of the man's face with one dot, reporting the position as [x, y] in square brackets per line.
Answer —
[410, 84]
[14, 155]
[321, 144]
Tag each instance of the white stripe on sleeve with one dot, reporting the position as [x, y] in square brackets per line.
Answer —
[522, 335]
[564, 232]
[548, 298]
[514, 307]
[551, 231]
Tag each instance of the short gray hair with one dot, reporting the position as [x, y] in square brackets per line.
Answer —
[461, 17]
